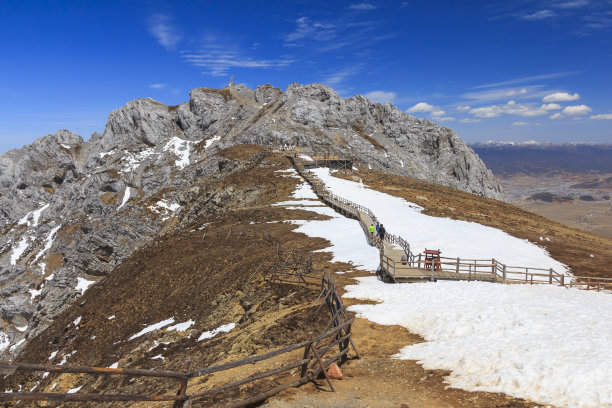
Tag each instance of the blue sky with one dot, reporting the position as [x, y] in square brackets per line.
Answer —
[490, 70]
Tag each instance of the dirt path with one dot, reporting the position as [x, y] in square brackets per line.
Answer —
[377, 380]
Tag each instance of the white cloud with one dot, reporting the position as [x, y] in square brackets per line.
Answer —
[463, 108]
[550, 106]
[421, 107]
[435, 111]
[560, 97]
[362, 6]
[444, 119]
[576, 110]
[470, 120]
[161, 28]
[157, 86]
[510, 108]
[520, 123]
[381, 96]
[605, 116]
[539, 15]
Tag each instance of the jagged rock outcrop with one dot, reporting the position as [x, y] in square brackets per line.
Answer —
[72, 210]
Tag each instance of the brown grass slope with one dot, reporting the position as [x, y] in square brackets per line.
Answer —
[193, 274]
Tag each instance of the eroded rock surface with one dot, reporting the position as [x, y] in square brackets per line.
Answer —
[72, 210]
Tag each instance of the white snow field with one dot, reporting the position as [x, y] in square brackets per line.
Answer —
[544, 343]
[468, 240]
[348, 243]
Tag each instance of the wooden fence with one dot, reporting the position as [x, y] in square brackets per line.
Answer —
[450, 268]
[294, 267]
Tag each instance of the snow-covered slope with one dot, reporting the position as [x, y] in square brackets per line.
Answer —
[454, 238]
[544, 343]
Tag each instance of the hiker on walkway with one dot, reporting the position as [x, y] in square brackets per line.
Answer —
[377, 229]
[372, 229]
[381, 232]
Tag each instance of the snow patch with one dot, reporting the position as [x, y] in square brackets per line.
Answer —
[181, 149]
[19, 250]
[77, 321]
[132, 160]
[152, 327]
[212, 140]
[110, 317]
[306, 158]
[126, 197]
[34, 215]
[74, 390]
[114, 365]
[226, 328]
[83, 284]
[19, 343]
[48, 243]
[180, 327]
[304, 191]
[21, 328]
[543, 343]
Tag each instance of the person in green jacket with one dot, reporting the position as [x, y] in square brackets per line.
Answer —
[372, 229]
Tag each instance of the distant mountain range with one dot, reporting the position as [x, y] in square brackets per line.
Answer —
[535, 158]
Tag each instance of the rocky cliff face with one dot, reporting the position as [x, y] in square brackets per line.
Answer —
[70, 211]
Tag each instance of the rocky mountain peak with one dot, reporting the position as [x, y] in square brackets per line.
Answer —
[72, 210]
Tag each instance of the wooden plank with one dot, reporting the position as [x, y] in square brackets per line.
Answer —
[6, 365]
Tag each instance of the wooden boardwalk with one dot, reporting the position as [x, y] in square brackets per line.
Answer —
[399, 264]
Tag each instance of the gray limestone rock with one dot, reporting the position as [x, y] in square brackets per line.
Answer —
[73, 209]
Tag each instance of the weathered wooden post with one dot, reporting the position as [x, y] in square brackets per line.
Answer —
[504, 272]
[550, 276]
[183, 388]
[458, 260]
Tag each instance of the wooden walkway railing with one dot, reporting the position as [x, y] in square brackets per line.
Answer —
[294, 267]
[411, 267]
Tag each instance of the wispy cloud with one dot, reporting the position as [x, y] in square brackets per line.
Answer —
[572, 4]
[160, 27]
[381, 96]
[523, 80]
[310, 30]
[337, 77]
[362, 6]
[538, 15]
[218, 63]
[218, 54]
[470, 120]
[157, 86]
[604, 116]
